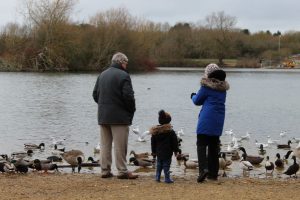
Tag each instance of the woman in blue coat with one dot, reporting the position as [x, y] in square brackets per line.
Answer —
[211, 96]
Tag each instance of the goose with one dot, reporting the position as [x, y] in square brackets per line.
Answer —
[279, 163]
[39, 166]
[34, 146]
[284, 146]
[293, 169]
[97, 148]
[245, 165]
[139, 155]
[54, 158]
[269, 166]
[141, 136]
[261, 150]
[190, 164]
[74, 158]
[142, 162]
[254, 160]
[223, 163]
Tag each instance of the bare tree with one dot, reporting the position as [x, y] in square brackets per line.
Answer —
[221, 26]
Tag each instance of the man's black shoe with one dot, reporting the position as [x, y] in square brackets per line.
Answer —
[202, 176]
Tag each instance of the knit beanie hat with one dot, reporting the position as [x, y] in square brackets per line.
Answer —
[218, 74]
[164, 117]
[210, 68]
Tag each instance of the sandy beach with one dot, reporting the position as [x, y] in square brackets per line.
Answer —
[91, 186]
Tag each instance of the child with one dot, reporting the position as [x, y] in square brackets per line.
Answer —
[212, 97]
[163, 144]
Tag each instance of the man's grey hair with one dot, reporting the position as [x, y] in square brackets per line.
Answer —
[119, 58]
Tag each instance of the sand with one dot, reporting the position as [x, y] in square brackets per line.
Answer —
[90, 186]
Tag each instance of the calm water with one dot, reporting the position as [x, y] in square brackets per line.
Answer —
[35, 107]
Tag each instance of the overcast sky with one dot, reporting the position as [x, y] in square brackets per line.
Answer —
[256, 15]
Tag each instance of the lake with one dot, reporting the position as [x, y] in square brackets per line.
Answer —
[35, 107]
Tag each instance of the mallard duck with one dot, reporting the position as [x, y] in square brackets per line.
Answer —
[21, 154]
[269, 166]
[142, 162]
[279, 162]
[54, 158]
[139, 155]
[21, 165]
[92, 160]
[284, 146]
[38, 165]
[245, 165]
[34, 146]
[97, 148]
[223, 163]
[56, 151]
[261, 150]
[7, 167]
[293, 169]
[254, 160]
[74, 158]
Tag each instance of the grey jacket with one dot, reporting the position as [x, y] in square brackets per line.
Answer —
[115, 96]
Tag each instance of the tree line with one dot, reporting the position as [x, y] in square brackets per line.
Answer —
[50, 41]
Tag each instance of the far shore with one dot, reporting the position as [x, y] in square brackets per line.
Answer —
[295, 70]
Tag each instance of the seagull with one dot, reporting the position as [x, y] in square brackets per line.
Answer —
[97, 148]
[270, 141]
[245, 137]
[57, 141]
[282, 133]
[141, 136]
[259, 143]
[229, 132]
[180, 133]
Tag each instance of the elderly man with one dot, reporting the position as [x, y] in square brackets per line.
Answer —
[114, 95]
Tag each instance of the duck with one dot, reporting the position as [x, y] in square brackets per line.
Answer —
[261, 150]
[7, 167]
[57, 151]
[92, 160]
[279, 163]
[245, 165]
[254, 160]
[190, 164]
[54, 158]
[21, 154]
[293, 169]
[284, 146]
[21, 165]
[223, 163]
[74, 158]
[97, 149]
[139, 155]
[34, 146]
[142, 162]
[39, 166]
[269, 166]
[141, 136]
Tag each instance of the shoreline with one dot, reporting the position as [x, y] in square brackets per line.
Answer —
[91, 187]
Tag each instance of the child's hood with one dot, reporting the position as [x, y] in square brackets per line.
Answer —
[159, 129]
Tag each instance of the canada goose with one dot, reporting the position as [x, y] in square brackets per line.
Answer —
[261, 150]
[245, 165]
[284, 146]
[74, 158]
[279, 162]
[254, 160]
[142, 162]
[293, 169]
[190, 164]
[139, 155]
[223, 163]
[38, 165]
[34, 146]
[269, 166]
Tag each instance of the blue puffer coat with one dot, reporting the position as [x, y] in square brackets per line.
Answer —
[212, 97]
